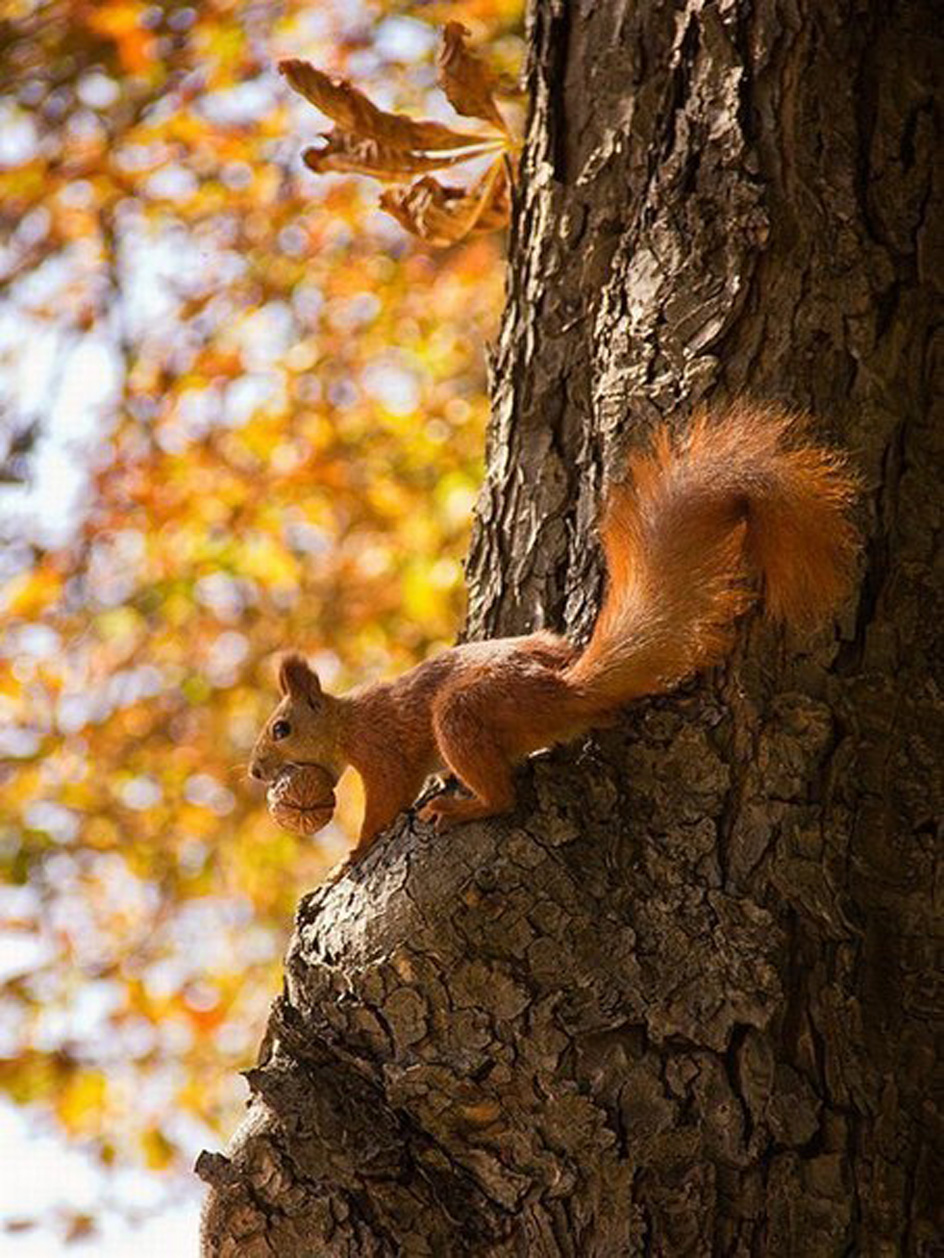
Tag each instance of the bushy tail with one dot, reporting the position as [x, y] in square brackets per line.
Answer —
[739, 496]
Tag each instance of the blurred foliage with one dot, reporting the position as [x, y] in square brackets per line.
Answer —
[241, 410]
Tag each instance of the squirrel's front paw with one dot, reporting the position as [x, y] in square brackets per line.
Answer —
[446, 811]
[439, 812]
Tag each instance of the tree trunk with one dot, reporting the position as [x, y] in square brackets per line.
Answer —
[682, 1001]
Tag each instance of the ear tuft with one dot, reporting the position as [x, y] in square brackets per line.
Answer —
[297, 679]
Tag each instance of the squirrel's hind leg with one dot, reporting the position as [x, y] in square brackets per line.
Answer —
[468, 746]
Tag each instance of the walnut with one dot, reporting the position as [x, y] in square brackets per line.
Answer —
[301, 798]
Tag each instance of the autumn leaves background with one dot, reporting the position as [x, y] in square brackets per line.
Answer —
[243, 408]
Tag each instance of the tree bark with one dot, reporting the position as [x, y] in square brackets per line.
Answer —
[682, 1002]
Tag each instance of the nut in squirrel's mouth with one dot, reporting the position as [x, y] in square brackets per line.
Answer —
[301, 798]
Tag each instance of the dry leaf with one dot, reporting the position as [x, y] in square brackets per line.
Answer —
[442, 215]
[394, 148]
[466, 80]
[353, 112]
[358, 155]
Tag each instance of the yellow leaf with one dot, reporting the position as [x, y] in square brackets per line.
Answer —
[81, 1099]
[157, 1149]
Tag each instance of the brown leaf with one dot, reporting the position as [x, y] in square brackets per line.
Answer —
[359, 155]
[79, 1227]
[353, 112]
[442, 215]
[466, 80]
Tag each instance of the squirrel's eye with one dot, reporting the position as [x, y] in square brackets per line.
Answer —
[281, 729]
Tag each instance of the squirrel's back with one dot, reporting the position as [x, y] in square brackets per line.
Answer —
[741, 503]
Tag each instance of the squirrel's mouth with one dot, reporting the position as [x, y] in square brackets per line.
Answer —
[271, 777]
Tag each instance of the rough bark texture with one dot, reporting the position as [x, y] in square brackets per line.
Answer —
[683, 1001]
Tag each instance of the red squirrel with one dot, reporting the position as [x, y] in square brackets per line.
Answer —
[739, 505]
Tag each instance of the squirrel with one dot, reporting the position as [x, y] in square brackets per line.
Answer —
[742, 505]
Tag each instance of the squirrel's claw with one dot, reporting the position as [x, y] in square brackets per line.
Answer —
[448, 811]
[439, 813]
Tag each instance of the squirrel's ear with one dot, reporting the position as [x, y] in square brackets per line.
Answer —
[297, 679]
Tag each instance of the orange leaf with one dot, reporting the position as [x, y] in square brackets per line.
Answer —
[351, 109]
[120, 22]
[466, 80]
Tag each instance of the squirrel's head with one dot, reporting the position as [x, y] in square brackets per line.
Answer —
[303, 729]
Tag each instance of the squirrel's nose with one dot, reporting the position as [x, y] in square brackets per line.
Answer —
[256, 772]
